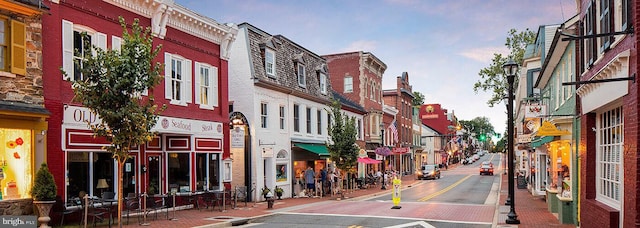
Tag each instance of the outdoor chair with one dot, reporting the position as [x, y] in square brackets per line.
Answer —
[131, 205]
[59, 208]
[240, 195]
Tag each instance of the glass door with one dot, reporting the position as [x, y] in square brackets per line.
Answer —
[129, 171]
[154, 175]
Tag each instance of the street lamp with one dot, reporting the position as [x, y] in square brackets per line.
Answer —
[510, 70]
[383, 157]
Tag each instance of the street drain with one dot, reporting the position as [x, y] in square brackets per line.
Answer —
[235, 221]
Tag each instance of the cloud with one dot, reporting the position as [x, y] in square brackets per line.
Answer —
[484, 54]
[361, 45]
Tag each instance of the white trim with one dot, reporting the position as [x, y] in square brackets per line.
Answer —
[598, 94]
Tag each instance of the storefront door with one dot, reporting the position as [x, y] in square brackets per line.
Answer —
[129, 180]
[154, 175]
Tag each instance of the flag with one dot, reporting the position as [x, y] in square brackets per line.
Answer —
[394, 131]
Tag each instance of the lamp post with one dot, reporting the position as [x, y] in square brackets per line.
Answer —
[383, 157]
[510, 70]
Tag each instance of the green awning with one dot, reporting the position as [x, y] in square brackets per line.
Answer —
[319, 149]
[539, 141]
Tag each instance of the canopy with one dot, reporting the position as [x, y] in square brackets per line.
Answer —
[367, 160]
[319, 149]
[539, 141]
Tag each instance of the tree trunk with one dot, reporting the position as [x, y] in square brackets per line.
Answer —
[121, 161]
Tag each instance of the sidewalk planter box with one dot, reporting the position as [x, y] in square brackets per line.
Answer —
[552, 201]
[565, 210]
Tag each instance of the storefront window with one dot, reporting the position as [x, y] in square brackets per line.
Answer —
[207, 172]
[93, 178]
[179, 172]
[16, 171]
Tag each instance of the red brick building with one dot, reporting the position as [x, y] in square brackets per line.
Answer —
[443, 122]
[358, 77]
[402, 99]
[608, 111]
[190, 151]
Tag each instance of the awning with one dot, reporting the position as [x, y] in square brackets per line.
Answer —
[539, 141]
[319, 149]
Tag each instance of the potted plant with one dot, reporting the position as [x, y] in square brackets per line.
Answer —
[43, 193]
[279, 191]
[265, 192]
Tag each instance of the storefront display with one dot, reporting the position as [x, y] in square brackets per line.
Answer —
[16, 159]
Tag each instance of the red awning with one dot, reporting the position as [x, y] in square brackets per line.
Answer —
[367, 160]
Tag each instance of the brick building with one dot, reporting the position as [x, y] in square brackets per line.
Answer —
[402, 99]
[608, 109]
[358, 77]
[23, 117]
[190, 152]
[443, 123]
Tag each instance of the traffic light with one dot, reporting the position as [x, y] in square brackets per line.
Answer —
[483, 137]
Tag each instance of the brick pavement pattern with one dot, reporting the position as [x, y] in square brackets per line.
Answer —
[532, 212]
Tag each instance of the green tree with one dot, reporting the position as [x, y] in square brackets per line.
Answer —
[112, 87]
[342, 145]
[492, 78]
[418, 98]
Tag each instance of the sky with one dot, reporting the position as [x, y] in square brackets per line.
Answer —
[442, 45]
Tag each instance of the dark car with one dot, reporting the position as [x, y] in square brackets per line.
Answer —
[428, 172]
[486, 169]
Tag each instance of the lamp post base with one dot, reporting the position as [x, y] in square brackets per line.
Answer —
[512, 218]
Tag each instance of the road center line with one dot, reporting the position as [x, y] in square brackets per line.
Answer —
[444, 189]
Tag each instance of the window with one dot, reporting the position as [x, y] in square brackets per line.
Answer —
[263, 115]
[625, 14]
[296, 118]
[589, 29]
[302, 75]
[206, 83]
[207, 172]
[17, 157]
[309, 120]
[348, 84]
[12, 46]
[323, 83]
[179, 172]
[282, 118]
[84, 169]
[177, 80]
[72, 39]
[319, 121]
[606, 23]
[609, 146]
[359, 133]
[270, 62]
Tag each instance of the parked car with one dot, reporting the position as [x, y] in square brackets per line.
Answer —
[428, 172]
[486, 169]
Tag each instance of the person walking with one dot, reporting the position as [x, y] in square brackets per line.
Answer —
[323, 181]
[309, 177]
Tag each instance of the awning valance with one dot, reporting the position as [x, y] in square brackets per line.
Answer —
[318, 149]
[539, 141]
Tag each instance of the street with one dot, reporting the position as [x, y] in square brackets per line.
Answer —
[461, 198]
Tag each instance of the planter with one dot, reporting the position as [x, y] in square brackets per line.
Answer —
[44, 207]
[279, 195]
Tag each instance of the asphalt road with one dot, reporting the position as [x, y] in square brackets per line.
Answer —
[461, 198]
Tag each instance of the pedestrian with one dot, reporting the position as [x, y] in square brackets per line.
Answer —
[309, 177]
[332, 180]
[323, 180]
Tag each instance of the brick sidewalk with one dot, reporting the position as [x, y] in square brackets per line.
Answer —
[531, 211]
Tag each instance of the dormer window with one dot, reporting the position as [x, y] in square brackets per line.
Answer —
[323, 83]
[298, 59]
[270, 62]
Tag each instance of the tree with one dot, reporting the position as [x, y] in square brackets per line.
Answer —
[342, 130]
[418, 98]
[492, 77]
[112, 86]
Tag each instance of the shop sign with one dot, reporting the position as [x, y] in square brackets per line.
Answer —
[237, 137]
[549, 129]
[535, 111]
[400, 150]
[267, 152]
[524, 138]
[81, 116]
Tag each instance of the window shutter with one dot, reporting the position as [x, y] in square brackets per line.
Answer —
[18, 50]
[213, 95]
[197, 76]
[67, 49]
[116, 43]
[168, 91]
[188, 78]
[99, 40]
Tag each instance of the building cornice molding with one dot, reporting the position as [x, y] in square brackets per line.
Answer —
[618, 67]
[165, 13]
